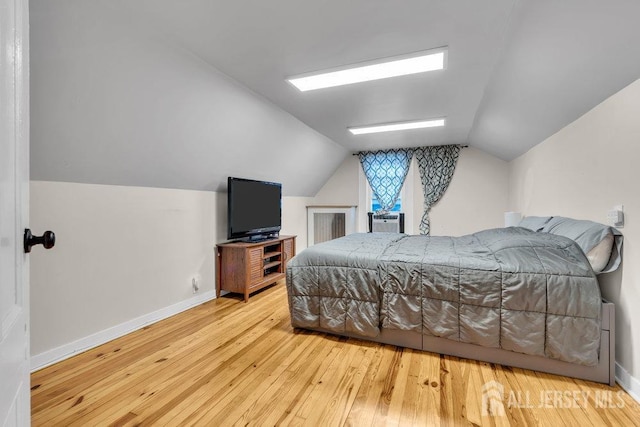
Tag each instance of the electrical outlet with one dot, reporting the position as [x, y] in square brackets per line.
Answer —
[195, 284]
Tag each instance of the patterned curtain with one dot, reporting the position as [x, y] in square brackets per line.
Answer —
[386, 171]
[436, 165]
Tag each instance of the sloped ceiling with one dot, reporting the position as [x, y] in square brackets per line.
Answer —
[182, 94]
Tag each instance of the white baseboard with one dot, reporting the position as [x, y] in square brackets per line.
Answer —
[58, 354]
[630, 384]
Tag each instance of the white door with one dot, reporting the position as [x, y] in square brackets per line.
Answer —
[14, 200]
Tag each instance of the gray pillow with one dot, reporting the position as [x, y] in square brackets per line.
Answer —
[601, 243]
[534, 223]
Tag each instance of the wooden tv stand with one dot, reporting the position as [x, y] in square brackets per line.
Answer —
[245, 267]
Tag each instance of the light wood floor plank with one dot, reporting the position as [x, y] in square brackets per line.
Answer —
[289, 388]
[142, 340]
[87, 369]
[427, 411]
[135, 384]
[516, 414]
[212, 373]
[227, 362]
[371, 396]
[236, 394]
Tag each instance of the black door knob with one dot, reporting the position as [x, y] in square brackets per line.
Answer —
[48, 240]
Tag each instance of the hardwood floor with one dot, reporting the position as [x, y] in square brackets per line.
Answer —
[227, 362]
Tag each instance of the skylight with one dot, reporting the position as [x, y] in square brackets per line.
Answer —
[390, 127]
[418, 62]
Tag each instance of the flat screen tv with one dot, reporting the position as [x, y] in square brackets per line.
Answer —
[254, 208]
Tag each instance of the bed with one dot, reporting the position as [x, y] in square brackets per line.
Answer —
[523, 296]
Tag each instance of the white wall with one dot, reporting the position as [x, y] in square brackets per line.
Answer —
[342, 188]
[121, 254]
[475, 200]
[582, 172]
[294, 219]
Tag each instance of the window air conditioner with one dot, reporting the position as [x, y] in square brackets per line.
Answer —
[386, 223]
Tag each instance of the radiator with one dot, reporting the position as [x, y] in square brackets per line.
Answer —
[328, 226]
[328, 223]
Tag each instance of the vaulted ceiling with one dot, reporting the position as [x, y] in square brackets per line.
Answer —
[183, 93]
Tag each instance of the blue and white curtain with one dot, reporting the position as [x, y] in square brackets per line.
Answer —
[386, 171]
[436, 165]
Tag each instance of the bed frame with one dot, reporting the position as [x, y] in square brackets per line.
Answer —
[603, 372]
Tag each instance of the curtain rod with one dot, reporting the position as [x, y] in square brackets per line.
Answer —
[355, 154]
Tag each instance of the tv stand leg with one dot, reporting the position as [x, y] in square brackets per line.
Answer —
[246, 295]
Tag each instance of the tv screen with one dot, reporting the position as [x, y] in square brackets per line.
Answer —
[254, 208]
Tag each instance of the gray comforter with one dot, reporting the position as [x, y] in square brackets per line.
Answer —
[510, 288]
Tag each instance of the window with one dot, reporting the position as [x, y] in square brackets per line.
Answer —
[404, 204]
[375, 206]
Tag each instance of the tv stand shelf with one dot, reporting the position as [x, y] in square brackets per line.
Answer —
[245, 267]
[272, 264]
[268, 255]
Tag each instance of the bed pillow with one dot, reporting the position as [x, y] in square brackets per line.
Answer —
[534, 223]
[600, 254]
[601, 243]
